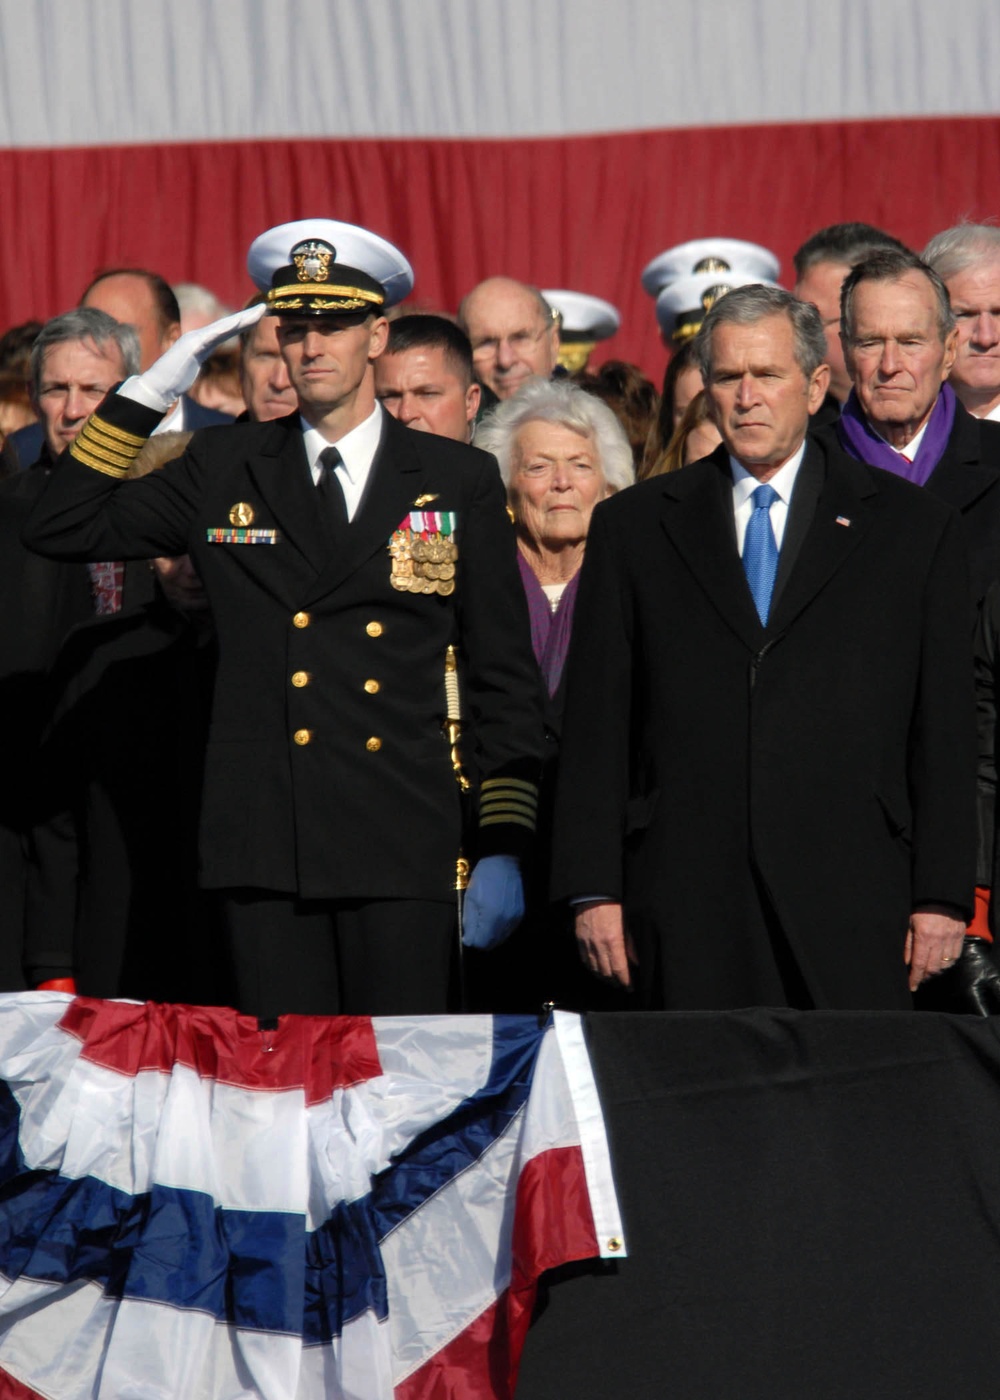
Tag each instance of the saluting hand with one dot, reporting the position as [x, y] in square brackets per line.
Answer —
[177, 368]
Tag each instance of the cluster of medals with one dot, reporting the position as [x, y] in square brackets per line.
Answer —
[423, 553]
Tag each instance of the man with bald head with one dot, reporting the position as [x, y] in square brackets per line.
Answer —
[514, 335]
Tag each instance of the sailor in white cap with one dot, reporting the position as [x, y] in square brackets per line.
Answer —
[347, 560]
[683, 304]
[725, 255]
[583, 321]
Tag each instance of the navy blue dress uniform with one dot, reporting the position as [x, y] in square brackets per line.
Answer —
[329, 786]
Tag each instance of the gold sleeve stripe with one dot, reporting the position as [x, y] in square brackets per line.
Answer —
[496, 807]
[77, 450]
[96, 424]
[520, 783]
[105, 448]
[513, 799]
[507, 820]
[121, 451]
[113, 457]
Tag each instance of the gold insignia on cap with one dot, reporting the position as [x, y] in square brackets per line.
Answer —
[713, 294]
[241, 514]
[712, 265]
[312, 259]
[422, 501]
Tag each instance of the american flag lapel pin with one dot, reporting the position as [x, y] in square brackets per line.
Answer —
[843, 520]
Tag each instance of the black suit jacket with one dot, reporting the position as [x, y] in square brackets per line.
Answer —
[968, 478]
[829, 756]
[197, 416]
[327, 773]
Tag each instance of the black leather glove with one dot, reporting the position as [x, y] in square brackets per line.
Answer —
[971, 987]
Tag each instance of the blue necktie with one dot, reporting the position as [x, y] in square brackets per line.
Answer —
[760, 552]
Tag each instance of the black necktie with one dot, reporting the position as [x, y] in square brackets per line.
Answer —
[331, 491]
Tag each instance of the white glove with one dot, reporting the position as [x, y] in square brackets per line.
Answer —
[177, 368]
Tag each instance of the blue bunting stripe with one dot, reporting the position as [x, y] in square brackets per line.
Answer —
[257, 1270]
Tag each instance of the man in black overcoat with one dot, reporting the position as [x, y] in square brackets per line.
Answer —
[768, 776]
[900, 342]
[76, 358]
[342, 556]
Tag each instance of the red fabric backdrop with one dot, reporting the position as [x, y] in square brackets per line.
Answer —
[583, 212]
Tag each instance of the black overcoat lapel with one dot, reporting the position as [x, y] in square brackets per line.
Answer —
[808, 485]
[698, 520]
[840, 520]
[394, 484]
[961, 476]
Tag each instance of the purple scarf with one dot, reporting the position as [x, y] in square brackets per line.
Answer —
[858, 438]
[550, 631]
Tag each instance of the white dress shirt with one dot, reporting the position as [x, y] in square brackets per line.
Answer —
[357, 451]
[912, 447]
[745, 484]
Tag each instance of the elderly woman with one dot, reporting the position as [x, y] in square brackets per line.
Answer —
[560, 451]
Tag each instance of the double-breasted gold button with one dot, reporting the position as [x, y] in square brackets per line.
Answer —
[300, 678]
[301, 619]
[373, 744]
[303, 737]
[373, 687]
[374, 629]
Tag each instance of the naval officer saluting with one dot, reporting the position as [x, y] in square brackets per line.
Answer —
[343, 555]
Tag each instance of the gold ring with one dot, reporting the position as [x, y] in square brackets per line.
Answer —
[944, 960]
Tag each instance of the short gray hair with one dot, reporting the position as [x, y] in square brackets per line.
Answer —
[566, 404]
[745, 306]
[955, 249]
[887, 265]
[85, 323]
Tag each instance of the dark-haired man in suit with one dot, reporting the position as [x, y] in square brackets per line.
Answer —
[768, 770]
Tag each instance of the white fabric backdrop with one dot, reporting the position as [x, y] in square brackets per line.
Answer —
[105, 72]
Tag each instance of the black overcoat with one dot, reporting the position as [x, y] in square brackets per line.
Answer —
[832, 751]
[327, 773]
[967, 476]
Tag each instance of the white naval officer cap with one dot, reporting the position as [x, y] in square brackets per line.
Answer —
[583, 321]
[709, 255]
[683, 305]
[316, 266]
[583, 317]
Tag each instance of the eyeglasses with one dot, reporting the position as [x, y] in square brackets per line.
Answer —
[519, 342]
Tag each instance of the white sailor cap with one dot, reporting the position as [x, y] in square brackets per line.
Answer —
[681, 307]
[709, 255]
[317, 266]
[583, 317]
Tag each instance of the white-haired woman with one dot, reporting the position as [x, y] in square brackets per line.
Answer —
[560, 451]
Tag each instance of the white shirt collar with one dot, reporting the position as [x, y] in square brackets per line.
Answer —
[357, 448]
[783, 480]
[912, 447]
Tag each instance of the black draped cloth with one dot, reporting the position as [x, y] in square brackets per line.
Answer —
[811, 1204]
